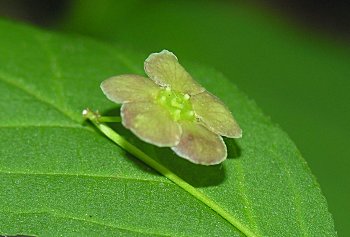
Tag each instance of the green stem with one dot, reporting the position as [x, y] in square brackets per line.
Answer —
[109, 119]
[115, 137]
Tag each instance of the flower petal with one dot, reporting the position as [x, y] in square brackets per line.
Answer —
[165, 70]
[215, 115]
[129, 88]
[199, 145]
[151, 123]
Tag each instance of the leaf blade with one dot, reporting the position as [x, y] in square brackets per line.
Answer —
[80, 150]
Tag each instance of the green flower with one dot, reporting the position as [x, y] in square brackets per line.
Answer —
[170, 109]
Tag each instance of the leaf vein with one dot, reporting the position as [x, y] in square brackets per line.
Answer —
[74, 126]
[296, 199]
[244, 196]
[5, 172]
[17, 84]
[54, 67]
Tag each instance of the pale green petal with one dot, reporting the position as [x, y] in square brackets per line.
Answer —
[199, 145]
[165, 70]
[129, 88]
[151, 123]
[215, 115]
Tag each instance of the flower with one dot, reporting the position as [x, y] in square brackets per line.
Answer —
[170, 109]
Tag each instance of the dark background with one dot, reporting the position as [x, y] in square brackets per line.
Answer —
[291, 57]
[326, 16]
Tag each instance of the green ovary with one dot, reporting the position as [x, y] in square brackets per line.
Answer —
[177, 103]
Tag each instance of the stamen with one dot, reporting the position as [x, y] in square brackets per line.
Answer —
[177, 114]
[176, 104]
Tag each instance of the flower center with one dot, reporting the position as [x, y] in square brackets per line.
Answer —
[178, 104]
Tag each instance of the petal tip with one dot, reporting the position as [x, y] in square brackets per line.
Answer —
[200, 146]
[108, 91]
[103, 85]
[236, 133]
[214, 161]
[164, 52]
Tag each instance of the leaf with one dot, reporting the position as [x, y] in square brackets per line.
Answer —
[299, 78]
[59, 175]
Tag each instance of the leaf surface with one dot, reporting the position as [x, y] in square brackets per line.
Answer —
[59, 175]
[298, 76]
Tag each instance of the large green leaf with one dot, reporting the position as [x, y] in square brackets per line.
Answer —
[60, 176]
[298, 78]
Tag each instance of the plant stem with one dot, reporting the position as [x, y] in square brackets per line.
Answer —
[109, 119]
[115, 137]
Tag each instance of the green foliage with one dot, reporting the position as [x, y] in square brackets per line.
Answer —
[299, 79]
[60, 176]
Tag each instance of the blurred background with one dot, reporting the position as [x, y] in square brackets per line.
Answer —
[292, 57]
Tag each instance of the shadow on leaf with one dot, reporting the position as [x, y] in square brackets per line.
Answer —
[233, 150]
